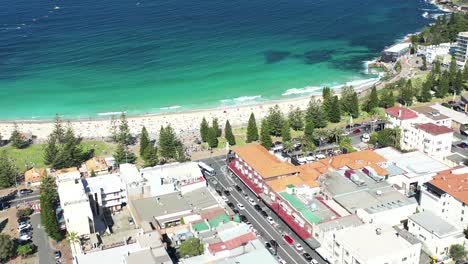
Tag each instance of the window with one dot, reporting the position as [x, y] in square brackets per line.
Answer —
[463, 211]
[461, 219]
[443, 210]
[404, 259]
[346, 253]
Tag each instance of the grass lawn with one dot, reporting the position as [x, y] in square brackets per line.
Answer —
[33, 155]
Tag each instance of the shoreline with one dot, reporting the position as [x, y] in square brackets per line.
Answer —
[184, 123]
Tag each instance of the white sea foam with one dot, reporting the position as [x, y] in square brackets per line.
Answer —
[172, 107]
[425, 15]
[357, 84]
[111, 113]
[247, 98]
[304, 90]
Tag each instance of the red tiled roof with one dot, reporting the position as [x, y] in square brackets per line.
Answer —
[454, 184]
[231, 244]
[434, 129]
[401, 112]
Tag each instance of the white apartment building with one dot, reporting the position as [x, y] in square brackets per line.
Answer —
[433, 51]
[369, 244]
[424, 129]
[76, 207]
[106, 192]
[173, 177]
[436, 233]
[461, 49]
[447, 195]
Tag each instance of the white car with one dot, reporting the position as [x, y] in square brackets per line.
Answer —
[299, 247]
[252, 201]
[320, 156]
[280, 260]
[314, 261]
[270, 220]
[25, 237]
[224, 198]
[24, 226]
[365, 137]
[240, 206]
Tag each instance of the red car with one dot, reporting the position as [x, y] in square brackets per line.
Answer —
[357, 131]
[288, 239]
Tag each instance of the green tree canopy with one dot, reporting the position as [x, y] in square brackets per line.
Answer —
[24, 250]
[123, 155]
[204, 130]
[315, 114]
[7, 247]
[191, 247]
[445, 29]
[349, 101]
[216, 127]
[327, 96]
[373, 100]
[443, 86]
[275, 120]
[335, 115]
[212, 137]
[406, 93]
[124, 136]
[252, 130]
[296, 119]
[387, 137]
[167, 142]
[426, 95]
[387, 99]
[457, 252]
[17, 139]
[286, 131]
[51, 150]
[8, 172]
[144, 140]
[58, 132]
[228, 134]
[265, 135]
[49, 201]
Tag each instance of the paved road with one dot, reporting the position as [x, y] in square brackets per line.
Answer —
[266, 231]
[41, 240]
[22, 199]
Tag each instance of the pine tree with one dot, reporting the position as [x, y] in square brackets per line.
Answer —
[465, 72]
[167, 143]
[144, 141]
[443, 87]
[309, 131]
[216, 127]
[17, 139]
[252, 131]
[349, 101]
[204, 130]
[212, 137]
[70, 154]
[228, 134]
[296, 120]
[8, 172]
[387, 99]
[59, 131]
[7, 248]
[407, 93]
[335, 115]
[49, 202]
[458, 82]
[275, 120]
[424, 63]
[150, 156]
[286, 131]
[124, 135]
[354, 103]
[123, 155]
[50, 150]
[327, 96]
[373, 102]
[113, 129]
[315, 114]
[453, 68]
[426, 91]
[265, 138]
[436, 69]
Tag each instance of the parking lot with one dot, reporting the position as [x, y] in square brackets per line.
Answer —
[265, 230]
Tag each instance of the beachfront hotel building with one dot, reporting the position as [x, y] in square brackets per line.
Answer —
[461, 49]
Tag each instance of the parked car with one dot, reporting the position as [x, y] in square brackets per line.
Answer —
[243, 218]
[130, 220]
[252, 201]
[357, 131]
[264, 214]
[288, 239]
[365, 137]
[258, 207]
[224, 198]
[239, 189]
[24, 226]
[24, 238]
[231, 205]
[314, 261]
[320, 156]
[307, 256]
[240, 206]
[270, 220]
[462, 145]
[227, 193]
[357, 125]
[298, 247]
[270, 248]
[57, 254]
[25, 191]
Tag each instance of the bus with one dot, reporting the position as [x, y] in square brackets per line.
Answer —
[206, 169]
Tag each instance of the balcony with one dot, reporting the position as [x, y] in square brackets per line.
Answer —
[300, 231]
[254, 188]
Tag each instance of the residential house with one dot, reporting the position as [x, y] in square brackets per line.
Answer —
[34, 176]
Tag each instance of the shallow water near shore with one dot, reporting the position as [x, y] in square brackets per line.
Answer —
[89, 59]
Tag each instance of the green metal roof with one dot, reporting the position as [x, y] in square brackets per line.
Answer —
[224, 218]
[201, 226]
[301, 208]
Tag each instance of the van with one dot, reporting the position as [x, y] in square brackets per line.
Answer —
[207, 170]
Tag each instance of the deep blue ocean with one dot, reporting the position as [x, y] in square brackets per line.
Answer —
[88, 58]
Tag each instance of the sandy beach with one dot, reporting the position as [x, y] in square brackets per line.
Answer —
[186, 124]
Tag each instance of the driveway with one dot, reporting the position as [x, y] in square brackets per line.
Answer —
[41, 240]
[266, 231]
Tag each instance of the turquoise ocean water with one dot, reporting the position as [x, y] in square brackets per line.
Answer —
[88, 58]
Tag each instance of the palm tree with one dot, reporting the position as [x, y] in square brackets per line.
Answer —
[335, 134]
[73, 238]
[288, 146]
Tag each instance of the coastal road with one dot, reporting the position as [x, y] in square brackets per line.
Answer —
[266, 231]
[41, 240]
